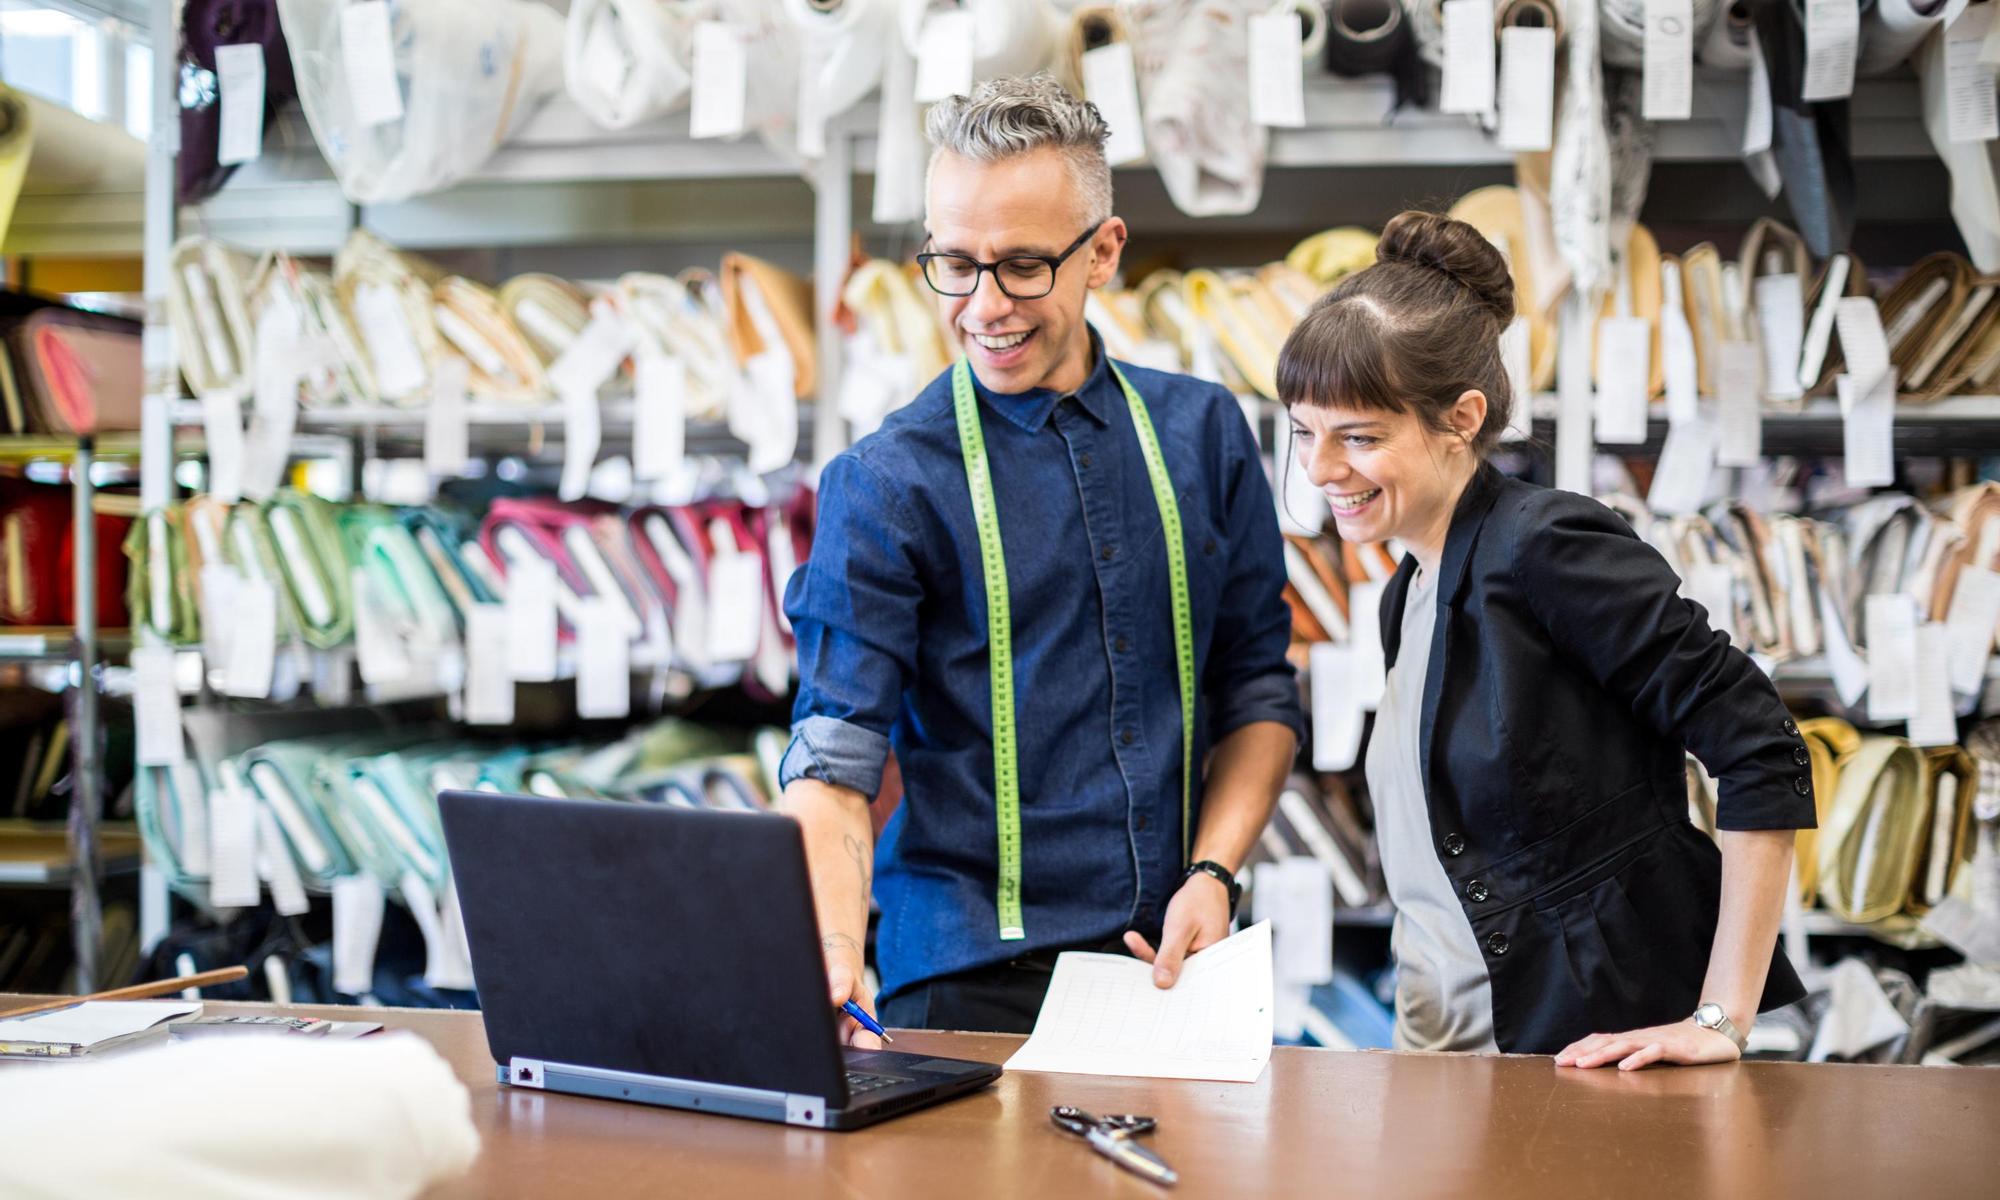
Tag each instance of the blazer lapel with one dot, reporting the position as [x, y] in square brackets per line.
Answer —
[1466, 522]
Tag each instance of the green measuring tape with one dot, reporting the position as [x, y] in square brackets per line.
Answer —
[1000, 627]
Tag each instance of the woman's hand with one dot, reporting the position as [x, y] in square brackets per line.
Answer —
[1684, 1043]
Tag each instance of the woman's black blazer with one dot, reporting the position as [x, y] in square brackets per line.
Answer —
[1566, 676]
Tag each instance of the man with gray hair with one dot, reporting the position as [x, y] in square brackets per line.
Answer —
[1054, 586]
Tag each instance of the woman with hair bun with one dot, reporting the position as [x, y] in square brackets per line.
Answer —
[1545, 681]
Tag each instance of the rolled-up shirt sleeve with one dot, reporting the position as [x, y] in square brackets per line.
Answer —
[853, 610]
[1246, 677]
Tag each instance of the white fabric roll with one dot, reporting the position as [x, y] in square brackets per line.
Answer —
[471, 71]
[1728, 42]
[1975, 191]
[856, 35]
[1624, 28]
[899, 143]
[626, 61]
[1011, 37]
[1892, 30]
[242, 1118]
[1426, 18]
[1193, 57]
[1581, 210]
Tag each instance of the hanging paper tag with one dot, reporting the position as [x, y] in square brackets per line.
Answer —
[489, 686]
[392, 348]
[1970, 112]
[531, 620]
[1677, 350]
[1713, 587]
[380, 654]
[1863, 345]
[659, 414]
[253, 639]
[1680, 482]
[1868, 421]
[1781, 326]
[1850, 674]
[1891, 622]
[222, 429]
[1757, 106]
[735, 589]
[1972, 621]
[447, 437]
[719, 94]
[1296, 895]
[368, 54]
[1933, 721]
[773, 423]
[1277, 69]
[1833, 30]
[1624, 372]
[232, 846]
[1514, 359]
[275, 402]
[156, 707]
[1669, 61]
[1527, 87]
[1739, 384]
[444, 963]
[357, 929]
[945, 54]
[603, 662]
[1575, 447]
[583, 434]
[276, 867]
[1112, 82]
[1468, 57]
[239, 76]
[1336, 718]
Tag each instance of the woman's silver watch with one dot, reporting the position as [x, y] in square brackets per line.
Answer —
[1711, 1016]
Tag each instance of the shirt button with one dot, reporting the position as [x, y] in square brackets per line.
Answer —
[1801, 756]
[1802, 785]
[1791, 727]
[1139, 822]
[1454, 844]
[1476, 892]
[1083, 460]
[1127, 737]
[1120, 644]
[1496, 944]
[1107, 552]
[1208, 547]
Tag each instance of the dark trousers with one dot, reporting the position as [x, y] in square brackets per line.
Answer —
[1004, 998]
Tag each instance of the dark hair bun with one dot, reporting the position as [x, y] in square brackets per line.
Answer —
[1454, 249]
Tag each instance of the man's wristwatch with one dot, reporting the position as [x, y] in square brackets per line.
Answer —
[1711, 1016]
[1222, 875]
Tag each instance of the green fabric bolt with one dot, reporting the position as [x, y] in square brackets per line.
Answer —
[181, 625]
[296, 763]
[318, 562]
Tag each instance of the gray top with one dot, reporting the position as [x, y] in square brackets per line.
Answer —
[1443, 998]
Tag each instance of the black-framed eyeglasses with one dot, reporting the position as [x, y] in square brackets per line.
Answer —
[1021, 277]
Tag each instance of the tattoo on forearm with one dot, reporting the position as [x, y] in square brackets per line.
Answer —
[859, 853]
[839, 941]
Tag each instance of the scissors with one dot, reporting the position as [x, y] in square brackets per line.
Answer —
[1113, 1138]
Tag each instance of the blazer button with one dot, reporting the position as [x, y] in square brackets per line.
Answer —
[1126, 736]
[1802, 785]
[1496, 944]
[1454, 845]
[1801, 756]
[1476, 892]
[1791, 727]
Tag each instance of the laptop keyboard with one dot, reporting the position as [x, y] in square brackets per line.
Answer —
[860, 1082]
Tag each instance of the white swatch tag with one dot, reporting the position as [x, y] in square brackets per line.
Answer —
[718, 98]
[945, 54]
[1868, 421]
[603, 662]
[1277, 69]
[1527, 87]
[1891, 622]
[275, 401]
[368, 54]
[239, 76]
[1624, 371]
[1468, 57]
[1973, 619]
[1112, 82]
[357, 929]
[659, 414]
[378, 651]
[583, 434]
[1932, 719]
[1683, 383]
[447, 437]
[1863, 346]
[735, 610]
[1757, 107]
[253, 639]
[531, 619]
[1514, 359]
[1969, 105]
[222, 429]
[1669, 61]
[232, 842]
[1680, 482]
[276, 867]
[392, 348]
[489, 687]
[1740, 386]
[156, 707]
[1833, 30]
[1781, 325]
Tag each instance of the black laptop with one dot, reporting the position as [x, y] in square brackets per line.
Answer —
[668, 956]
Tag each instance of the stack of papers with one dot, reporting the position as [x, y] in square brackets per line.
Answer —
[92, 1025]
[1104, 1016]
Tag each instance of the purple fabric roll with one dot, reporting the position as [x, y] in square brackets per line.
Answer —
[206, 24]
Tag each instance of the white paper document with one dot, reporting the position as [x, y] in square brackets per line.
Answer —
[1104, 1016]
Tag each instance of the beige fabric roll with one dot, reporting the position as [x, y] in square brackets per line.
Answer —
[208, 291]
[1332, 255]
[790, 301]
[548, 311]
[677, 323]
[1870, 847]
[1640, 266]
[1707, 312]
[500, 363]
[1499, 214]
[387, 297]
[1239, 332]
[347, 376]
[882, 298]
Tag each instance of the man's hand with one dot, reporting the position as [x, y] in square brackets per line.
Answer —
[1683, 1042]
[844, 982]
[1197, 918]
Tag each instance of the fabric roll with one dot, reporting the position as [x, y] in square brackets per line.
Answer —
[1745, 531]
[1426, 21]
[1890, 536]
[1975, 511]
[550, 312]
[660, 545]
[1637, 292]
[501, 363]
[1974, 166]
[1116, 316]
[1242, 336]
[338, 370]
[1163, 304]
[1967, 361]
[661, 310]
[403, 583]
[67, 371]
[471, 72]
[440, 539]
[789, 299]
[1581, 210]
[1869, 849]
[386, 295]
[1820, 359]
[1371, 37]
[1199, 134]
[207, 305]
[384, 797]
[1828, 741]
[205, 25]
[1811, 142]
[1624, 26]
[1090, 27]
[1796, 561]
[160, 594]
[1892, 30]
[312, 565]
[1951, 780]
[888, 309]
[854, 36]
[1920, 307]
[281, 777]
[1332, 255]
[1701, 275]
[1011, 37]
[1727, 44]
[1292, 288]
[627, 61]
[1500, 214]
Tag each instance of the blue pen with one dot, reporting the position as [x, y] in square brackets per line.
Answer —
[867, 1022]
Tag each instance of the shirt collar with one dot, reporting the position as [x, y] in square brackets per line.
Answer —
[1031, 409]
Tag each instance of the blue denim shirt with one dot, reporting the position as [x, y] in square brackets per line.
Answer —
[890, 617]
